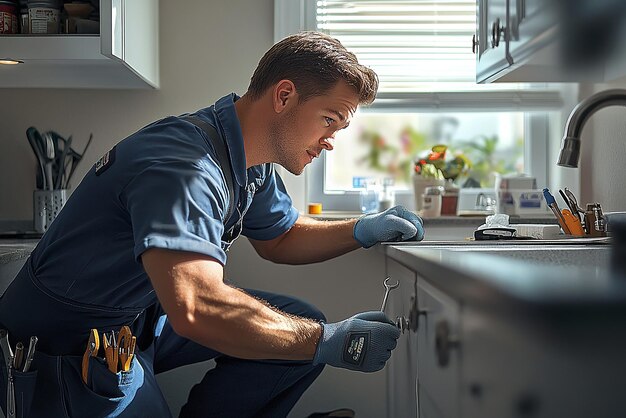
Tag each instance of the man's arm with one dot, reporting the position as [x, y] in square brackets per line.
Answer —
[311, 241]
[201, 307]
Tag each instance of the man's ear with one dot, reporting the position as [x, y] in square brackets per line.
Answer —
[284, 94]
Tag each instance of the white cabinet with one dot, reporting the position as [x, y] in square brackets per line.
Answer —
[423, 374]
[550, 40]
[124, 55]
[491, 50]
[402, 367]
[438, 353]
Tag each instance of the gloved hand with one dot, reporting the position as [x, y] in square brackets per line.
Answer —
[394, 224]
[362, 342]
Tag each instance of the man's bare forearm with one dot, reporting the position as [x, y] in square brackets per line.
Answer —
[310, 241]
[234, 323]
[202, 308]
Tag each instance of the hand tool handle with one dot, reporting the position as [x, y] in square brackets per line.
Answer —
[573, 223]
[6, 347]
[19, 355]
[93, 344]
[568, 202]
[382, 307]
[30, 354]
[11, 413]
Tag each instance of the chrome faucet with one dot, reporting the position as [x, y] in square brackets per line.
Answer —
[570, 146]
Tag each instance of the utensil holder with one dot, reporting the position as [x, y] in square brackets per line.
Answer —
[46, 206]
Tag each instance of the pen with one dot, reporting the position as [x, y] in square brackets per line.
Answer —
[555, 209]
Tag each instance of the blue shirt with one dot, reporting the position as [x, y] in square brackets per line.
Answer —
[161, 187]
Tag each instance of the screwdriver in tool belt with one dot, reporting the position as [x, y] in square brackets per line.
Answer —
[8, 359]
[19, 355]
[30, 354]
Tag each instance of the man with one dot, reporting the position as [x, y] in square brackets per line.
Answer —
[142, 242]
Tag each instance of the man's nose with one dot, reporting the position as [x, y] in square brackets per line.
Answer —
[328, 143]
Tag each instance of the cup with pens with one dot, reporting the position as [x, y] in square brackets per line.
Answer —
[56, 164]
[574, 220]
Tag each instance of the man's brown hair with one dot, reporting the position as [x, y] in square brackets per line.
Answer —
[314, 62]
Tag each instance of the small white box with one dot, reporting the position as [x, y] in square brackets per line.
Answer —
[521, 202]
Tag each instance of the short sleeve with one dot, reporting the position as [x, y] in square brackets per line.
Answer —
[177, 205]
[271, 212]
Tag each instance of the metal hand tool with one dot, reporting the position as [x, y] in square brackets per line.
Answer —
[388, 288]
[127, 344]
[574, 202]
[19, 355]
[110, 351]
[8, 359]
[30, 354]
[6, 347]
[10, 394]
[92, 350]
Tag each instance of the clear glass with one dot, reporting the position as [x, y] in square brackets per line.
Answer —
[370, 191]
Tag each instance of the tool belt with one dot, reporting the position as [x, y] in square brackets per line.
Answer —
[70, 372]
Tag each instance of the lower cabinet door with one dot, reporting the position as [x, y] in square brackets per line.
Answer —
[438, 352]
[402, 367]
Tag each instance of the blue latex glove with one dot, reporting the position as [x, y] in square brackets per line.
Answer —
[394, 224]
[362, 342]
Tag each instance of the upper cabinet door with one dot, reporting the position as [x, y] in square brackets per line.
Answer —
[124, 55]
[551, 40]
[492, 56]
[129, 34]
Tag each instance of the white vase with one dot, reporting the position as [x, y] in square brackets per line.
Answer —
[420, 183]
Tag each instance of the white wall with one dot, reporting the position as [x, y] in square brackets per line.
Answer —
[603, 158]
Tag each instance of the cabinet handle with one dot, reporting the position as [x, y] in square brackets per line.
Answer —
[444, 342]
[474, 43]
[402, 323]
[496, 33]
[414, 313]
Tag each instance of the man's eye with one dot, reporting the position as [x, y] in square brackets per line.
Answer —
[328, 120]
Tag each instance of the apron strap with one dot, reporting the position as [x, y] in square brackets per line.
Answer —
[222, 156]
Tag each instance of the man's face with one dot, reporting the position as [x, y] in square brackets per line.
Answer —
[304, 130]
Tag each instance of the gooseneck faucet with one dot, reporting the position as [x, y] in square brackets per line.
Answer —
[570, 146]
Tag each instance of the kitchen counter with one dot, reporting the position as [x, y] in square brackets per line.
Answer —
[527, 272]
[16, 249]
[13, 255]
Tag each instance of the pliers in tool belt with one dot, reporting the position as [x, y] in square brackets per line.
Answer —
[110, 351]
[93, 345]
[127, 344]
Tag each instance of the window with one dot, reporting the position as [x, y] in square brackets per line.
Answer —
[421, 52]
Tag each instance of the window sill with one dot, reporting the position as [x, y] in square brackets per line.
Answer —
[446, 221]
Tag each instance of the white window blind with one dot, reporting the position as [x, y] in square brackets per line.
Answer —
[410, 44]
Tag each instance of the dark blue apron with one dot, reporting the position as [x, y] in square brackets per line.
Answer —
[62, 326]
[55, 378]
